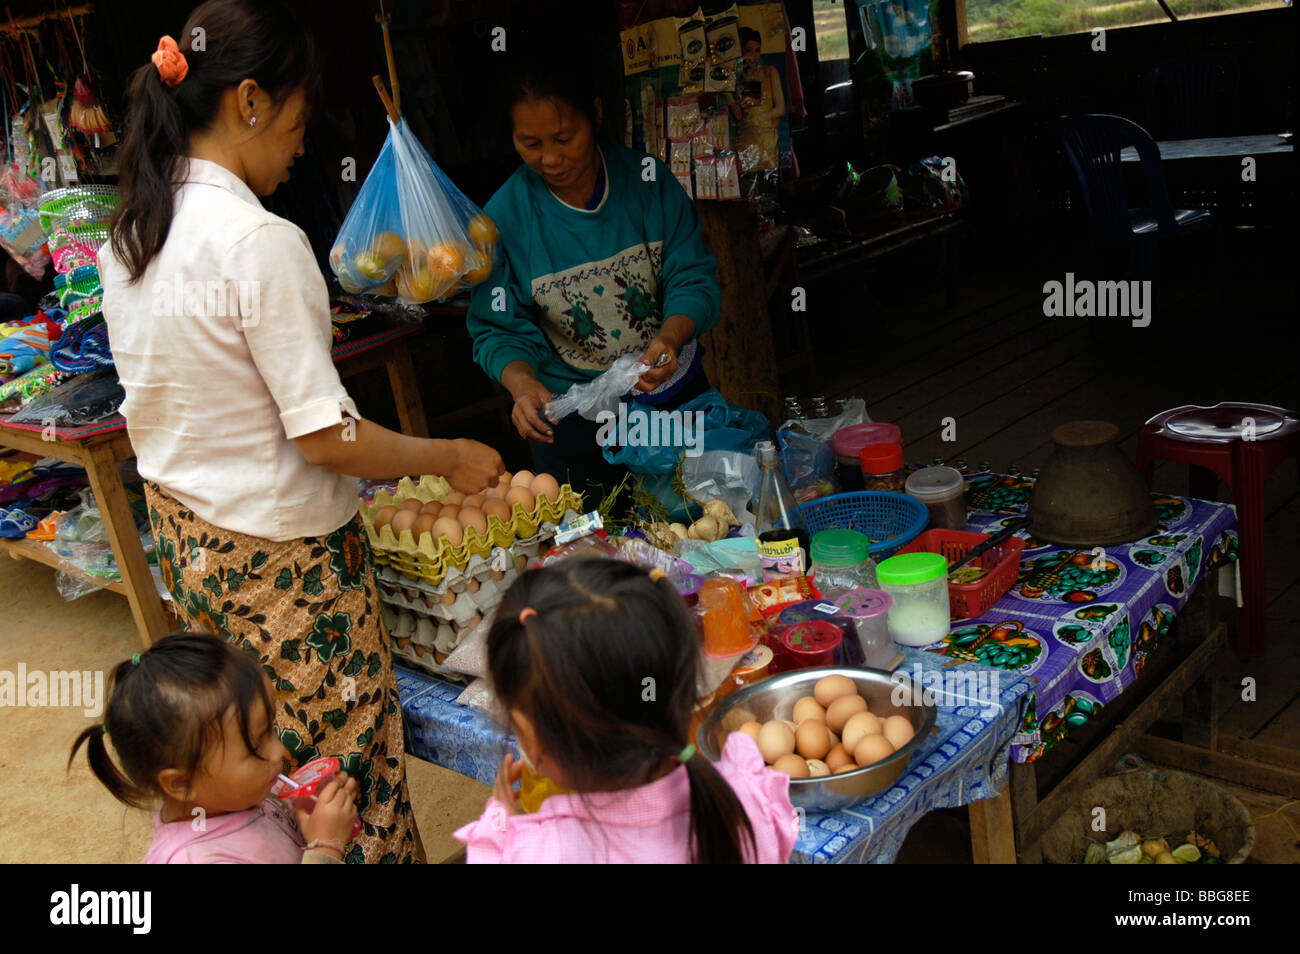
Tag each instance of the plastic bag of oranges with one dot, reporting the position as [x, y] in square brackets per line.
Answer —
[411, 234]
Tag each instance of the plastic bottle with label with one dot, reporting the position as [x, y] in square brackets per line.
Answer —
[783, 542]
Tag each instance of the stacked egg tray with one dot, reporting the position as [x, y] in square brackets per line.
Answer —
[432, 560]
[427, 622]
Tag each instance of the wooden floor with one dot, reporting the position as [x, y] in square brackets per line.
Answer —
[1007, 375]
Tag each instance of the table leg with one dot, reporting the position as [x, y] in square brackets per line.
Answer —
[406, 394]
[119, 525]
[1024, 798]
[992, 830]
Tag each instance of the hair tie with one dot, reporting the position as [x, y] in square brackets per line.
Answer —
[526, 612]
[686, 754]
[135, 659]
[103, 727]
[171, 62]
[657, 574]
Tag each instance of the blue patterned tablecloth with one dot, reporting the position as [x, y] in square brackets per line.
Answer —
[964, 760]
[1084, 632]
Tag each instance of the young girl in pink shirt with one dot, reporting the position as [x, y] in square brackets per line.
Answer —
[597, 664]
[192, 722]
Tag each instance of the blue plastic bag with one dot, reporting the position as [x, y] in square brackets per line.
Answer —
[657, 440]
[411, 234]
[807, 464]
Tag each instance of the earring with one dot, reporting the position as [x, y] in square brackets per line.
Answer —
[253, 121]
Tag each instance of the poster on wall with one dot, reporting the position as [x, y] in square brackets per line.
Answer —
[708, 94]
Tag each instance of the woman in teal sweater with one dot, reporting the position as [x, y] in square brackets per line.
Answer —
[603, 257]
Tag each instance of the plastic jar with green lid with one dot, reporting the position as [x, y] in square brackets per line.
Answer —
[918, 585]
[842, 561]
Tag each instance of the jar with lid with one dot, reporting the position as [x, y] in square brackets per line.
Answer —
[842, 561]
[943, 492]
[869, 610]
[882, 467]
[848, 443]
[918, 585]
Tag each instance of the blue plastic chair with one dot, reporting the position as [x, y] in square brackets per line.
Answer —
[1093, 144]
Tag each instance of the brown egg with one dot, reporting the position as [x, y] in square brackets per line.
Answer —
[472, 517]
[898, 730]
[775, 740]
[751, 729]
[809, 708]
[447, 528]
[449, 510]
[423, 524]
[433, 506]
[496, 493]
[838, 712]
[383, 517]
[812, 740]
[523, 478]
[830, 688]
[412, 503]
[497, 508]
[455, 497]
[544, 485]
[403, 520]
[817, 768]
[837, 758]
[792, 765]
[850, 766]
[872, 749]
[473, 500]
[504, 479]
[522, 496]
[859, 726]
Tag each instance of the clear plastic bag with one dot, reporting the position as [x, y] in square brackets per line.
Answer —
[807, 464]
[411, 234]
[599, 394]
[730, 476]
[855, 412]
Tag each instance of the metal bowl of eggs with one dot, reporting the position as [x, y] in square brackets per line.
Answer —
[817, 695]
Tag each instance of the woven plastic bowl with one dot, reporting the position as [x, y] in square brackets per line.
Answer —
[889, 520]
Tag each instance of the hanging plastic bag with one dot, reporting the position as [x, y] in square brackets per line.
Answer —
[601, 393]
[411, 234]
[807, 464]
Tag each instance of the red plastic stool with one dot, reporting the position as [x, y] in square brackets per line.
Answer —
[1215, 438]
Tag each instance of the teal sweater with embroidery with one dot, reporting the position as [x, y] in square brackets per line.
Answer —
[577, 289]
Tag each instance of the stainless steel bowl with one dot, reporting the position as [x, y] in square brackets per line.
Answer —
[774, 698]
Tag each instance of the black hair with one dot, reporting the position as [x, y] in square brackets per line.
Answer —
[749, 33]
[607, 671]
[167, 711]
[553, 66]
[240, 39]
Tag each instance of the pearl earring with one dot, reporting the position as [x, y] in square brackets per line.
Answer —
[253, 121]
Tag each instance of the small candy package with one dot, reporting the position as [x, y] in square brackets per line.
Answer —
[770, 597]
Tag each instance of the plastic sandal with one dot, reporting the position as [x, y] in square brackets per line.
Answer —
[15, 523]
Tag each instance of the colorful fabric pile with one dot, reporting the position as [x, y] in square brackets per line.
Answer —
[76, 220]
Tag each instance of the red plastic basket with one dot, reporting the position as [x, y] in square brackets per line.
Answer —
[1002, 563]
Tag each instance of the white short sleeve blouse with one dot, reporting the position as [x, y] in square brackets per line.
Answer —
[223, 350]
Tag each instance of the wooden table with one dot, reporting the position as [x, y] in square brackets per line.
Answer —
[99, 447]
[1009, 829]
[1223, 147]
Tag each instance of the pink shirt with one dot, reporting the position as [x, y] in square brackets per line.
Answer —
[262, 835]
[645, 825]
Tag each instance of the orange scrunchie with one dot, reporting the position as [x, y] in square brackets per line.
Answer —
[171, 63]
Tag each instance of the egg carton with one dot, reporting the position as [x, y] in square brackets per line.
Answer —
[424, 641]
[430, 559]
[459, 608]
[478, 571]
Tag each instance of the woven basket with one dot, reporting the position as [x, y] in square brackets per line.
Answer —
[1154, 803]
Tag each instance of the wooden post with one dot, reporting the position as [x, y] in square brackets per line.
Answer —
[1024, 800]
[992, 830]
[740, 356]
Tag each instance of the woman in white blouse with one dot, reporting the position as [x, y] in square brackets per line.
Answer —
[248, 443]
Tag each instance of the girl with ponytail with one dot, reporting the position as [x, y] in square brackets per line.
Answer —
[248, 442]
[597, 665]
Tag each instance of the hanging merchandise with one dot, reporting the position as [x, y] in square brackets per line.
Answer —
[411, 234]
[87, 114]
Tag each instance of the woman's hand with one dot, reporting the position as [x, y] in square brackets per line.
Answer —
[531, 397]
[335, 811]
[476, 467]
[509, 772]
[660, 350]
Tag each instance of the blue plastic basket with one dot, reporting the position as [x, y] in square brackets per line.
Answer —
[889, 520]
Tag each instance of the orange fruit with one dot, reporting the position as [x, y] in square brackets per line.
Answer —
[390, 247]
[386, 290]
[447, 262]
[482, 268]
[336, 257]
[482, 230]
[372, 265]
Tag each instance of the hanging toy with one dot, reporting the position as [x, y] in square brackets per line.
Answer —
[86, 114]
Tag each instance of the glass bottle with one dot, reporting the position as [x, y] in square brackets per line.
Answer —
[783, 542]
